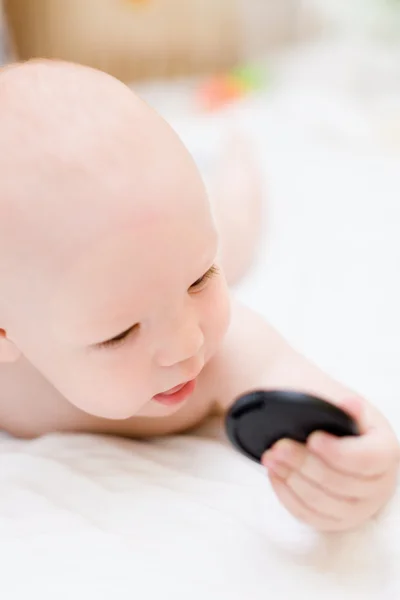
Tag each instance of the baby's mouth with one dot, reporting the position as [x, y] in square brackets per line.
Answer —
[174, 389]
[177, 394]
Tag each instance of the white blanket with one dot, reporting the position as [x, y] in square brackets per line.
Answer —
[85, 517]
[187, 517]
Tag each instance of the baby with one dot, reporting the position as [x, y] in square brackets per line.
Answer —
[115, 315]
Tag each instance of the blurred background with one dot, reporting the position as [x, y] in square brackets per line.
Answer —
[205, 56]
[315, 84]
[340, 57]
[142, 39]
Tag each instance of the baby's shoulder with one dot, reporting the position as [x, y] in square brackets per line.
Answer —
[243, 361]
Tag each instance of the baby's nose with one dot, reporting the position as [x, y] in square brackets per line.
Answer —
[184, 343]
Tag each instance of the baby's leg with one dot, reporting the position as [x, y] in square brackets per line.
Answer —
[237, 198]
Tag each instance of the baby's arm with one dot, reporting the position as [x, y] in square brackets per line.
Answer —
[332, 484]
[256, 355]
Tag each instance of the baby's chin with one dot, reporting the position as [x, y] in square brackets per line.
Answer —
[154, 410]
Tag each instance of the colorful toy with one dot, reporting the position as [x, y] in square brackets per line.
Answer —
[220, 90]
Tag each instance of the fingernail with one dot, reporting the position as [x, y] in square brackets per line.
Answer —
[272, 467]
[282, 450]
[268, 461]
[316, 441]
[278, 469]
[267, 458]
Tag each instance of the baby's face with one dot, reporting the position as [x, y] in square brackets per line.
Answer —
[117, 298]
[137, 315]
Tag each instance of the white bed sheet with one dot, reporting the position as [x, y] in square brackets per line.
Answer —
[187, 517]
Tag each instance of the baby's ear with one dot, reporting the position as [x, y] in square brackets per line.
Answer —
[8, 350]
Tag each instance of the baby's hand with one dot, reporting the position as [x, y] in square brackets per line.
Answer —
[335, 484]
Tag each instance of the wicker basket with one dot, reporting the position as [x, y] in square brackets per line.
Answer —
[6, 50]
[136, 39]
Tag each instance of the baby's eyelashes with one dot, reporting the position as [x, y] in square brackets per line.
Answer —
[118, 339]
[122, 337]
[198, 285]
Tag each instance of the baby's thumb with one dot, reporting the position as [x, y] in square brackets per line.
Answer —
[356, 408]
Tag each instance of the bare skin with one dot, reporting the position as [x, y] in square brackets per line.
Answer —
[237, 198]
[112, 293]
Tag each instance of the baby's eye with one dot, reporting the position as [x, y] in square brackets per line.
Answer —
[199, 284]
[119, 339]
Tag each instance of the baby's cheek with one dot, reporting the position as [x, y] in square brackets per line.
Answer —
[217, 317]
[113, 391]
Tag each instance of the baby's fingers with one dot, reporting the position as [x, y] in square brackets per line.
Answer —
[370, 455]
[315, 497]
[289, 460]
[300, 510]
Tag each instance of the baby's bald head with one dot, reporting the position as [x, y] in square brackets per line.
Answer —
[107, 244]
[78, 156]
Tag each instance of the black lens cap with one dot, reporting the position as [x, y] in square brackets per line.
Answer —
[257, 420]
